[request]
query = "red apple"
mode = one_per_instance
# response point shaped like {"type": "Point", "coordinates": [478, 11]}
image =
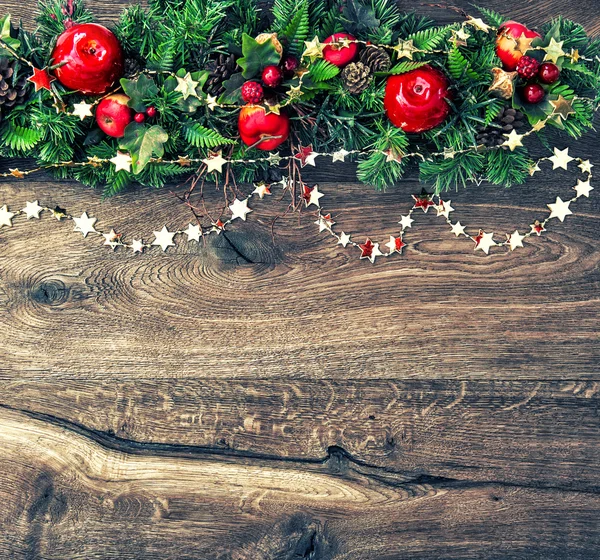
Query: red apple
{"type": "Point", "coordinates": [512, 43]}
{"type": "Point", "coordinates": [417, 101]}
{"type": "Point", "coordinates": [113, 115]}
{"type": "Point", "coordinates": [255, 125]}
{"type": "Point", "coordinates": [91, 58]}
{"type": "Point", "coordinates": [337, 53]}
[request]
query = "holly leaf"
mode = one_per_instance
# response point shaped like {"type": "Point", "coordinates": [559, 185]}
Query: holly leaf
{"type": "Point", "coordinates": [137, 90]}
{"type": "Point", "coordinates": [233, 89]}
{"type": "Point", "coordinates": [5, 30]}
{"type": "Point", "coordinates": [359, 18]}
{"type": "Point", "coordinates": [143, 143]}
{"type": "Point", "coordinates": [256, 56]}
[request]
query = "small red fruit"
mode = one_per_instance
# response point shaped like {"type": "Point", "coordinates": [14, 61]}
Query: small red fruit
{"type": "Point", "coordinates": [113, 115]}
{"type": "Point", "coordinates": [139, 117]}
{"type": "Point", "coordinates": [416, 101]}
{"type": "Point", "coordinates": [252, 92]}
{"type": "Point", "coordinates": [533, 93]}
{"type": "Point", "coordinates": [510, 43]}
{"type": "Point", "coordinates": [527, 67]}
{"type": "Point", "coordinates": [272, 76]}
{"type": "Point", "coordinates": [263, 131]}
{"type": "Point", "coordinates": [548, 73]}
{"type": "Point", "coordinates": [289, 65]}
{"type": "Point", "coordinates": [337, 53]}
{"type": "Point", "coordinates": [91, 58]}
{"type": "Point", "coordinates": [151, 112]}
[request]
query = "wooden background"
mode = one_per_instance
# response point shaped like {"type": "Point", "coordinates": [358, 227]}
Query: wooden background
{"type": "Point", "coordinates": [252, 401]}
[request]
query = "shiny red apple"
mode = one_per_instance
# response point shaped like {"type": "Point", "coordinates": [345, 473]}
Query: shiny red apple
{"type": "Point", "coordinates": [417, 101]}
{"type": "Point", "coordinates": [91, 58]}
{"type": "Point", "coordinates": [512, 43]}
{"type": "Point", "coordinates": [113, 115]}
{"type": "Point", "coordinates": [261, 130]}
{"type": "Point", "coordinates": [337, 53]}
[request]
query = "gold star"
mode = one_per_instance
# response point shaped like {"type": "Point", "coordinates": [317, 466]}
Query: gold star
{"type": "Point", "coordinates": [187, 86]}
{"type": "Point", "coordinates": [16, 173]}
{"type": "Point", "coordinates": [538, 126]}
{"type": "Point", "coordinates": [504, 83]}
{"type": "Point", "coordinates": [554, 50]}
{"type": "Point", "coordinates": [534, 169]}
{"type": "Point", "coordinates": [513, 140]}
{"type": "Point", "coordinates": [575, 56]}
{"type": "Point", "coordinates": [461, 36]}
{"type": "Point", "coordinates": [295, 92]}
{"type": "Point", "coordinates": [478, 24]}
{"type": "Point", "coordinates": [112, 239]}
{"type": "Point", "coordinates": [314, 49]}
{"type": "Point", "coordinates": [261, 189]}
{"type": "Point", "coordinates": [59, 213]}
{"type": "Point", "coordinates": [524, 43]}
{"type": "Point", "coordinates": [275, 108]}
{"type": "Point", "coordinates": [562, 107]}
{"type": "Point", "coordinates": [94, 161]}
{"type": "Point", "coordinates": [211, 102]}
{"type": "Point", "coordinates": [405, 49]}
{"type": "Point", "coordinates": [33, 209]}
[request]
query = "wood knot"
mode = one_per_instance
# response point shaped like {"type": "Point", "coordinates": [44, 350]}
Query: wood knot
{"type": "Point", "coordinates": [50, 292]}
{"type": "Point", "coordinates": [337, 461]}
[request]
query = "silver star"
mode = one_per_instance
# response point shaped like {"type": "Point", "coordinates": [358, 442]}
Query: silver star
{"type": "Point", "coordinates": [239, 209]}
{"type": "Point", "coordinates": [554, 50]}
{"type": "Point", "coordinates": [560, 209]}
{"type": "Point", "coordinates": [406, 222]}
{"type": "Point", "coordinates": [344, 239]}
{"type": "Point", "coordinates": [444, 208]}
{"type": "Point", "coordinates": [164, 238]}
{"type": "Point", "coordinates": [478, 24]}
{"type": "Point", "coordinates": [586, 166]}
{"type": "Point", "coordinates": [122, 162]}
{"type": "Point", "coordinates": [85, 224]}
{"type": "Point", "coordinates": [458, 229]}
{"type": "Point", "coordinates": [211, 102]}
{"type": "Point", "coordinates": [6, 217]}
{"type": "Point", "coordinates": [515, 240]}
{"type": "Point", "coordinates": [82, 110]}
{"type": "Point", "coordinates": [485, 242]}
{"type": "Point", "coordinates": [315, 196]}
{"type": "Point", "coordinates": [111, 239]}
{"type": "Point", "coordinates": [214, 162]}
{"type": "Point", "coordinates": [193, 232]}
{"type": "Point", "coordinates": [583, 188]}
{"type": "Point", "coordinates": [561, 159]}
{"type": "Point", "coordinates": [33, 209]}
{"type": "Point", "coordinates": [274, 158]}
{"type": "Point", "coordinates": [137, 245]}
{"type": "Point", "coordinates": [513, 140]}
{"type": "Point", "coordinates": [187, 86]}
{"type": "Point", "coordinates": [340, 155]}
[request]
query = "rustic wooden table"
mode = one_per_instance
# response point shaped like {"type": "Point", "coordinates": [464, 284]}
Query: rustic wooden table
{"type": "Point", "coordinates": [253, 401]}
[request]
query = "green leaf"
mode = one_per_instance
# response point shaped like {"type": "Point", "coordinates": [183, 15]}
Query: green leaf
{"type": "Point", "coordinates": [233, 89]}
{"type": "Point", "coordinates": [5, 34]}
{"type": "Point", "coordinates": [138, 90]}
{"type": "Point", "coordinates": [404, 67]}
{"type": "Point", "coordinates": [297, 31]}
{"type": "Point", "coordinates": [202, 137]}
{"type": "Point", "coordinates": [322, 71]}
{"type": "Point", "coordinates": [358, 18]}
{"type": "Point", "coordinates": [142, 143]}
{"type": "Point", "coordinates": [256, 56]}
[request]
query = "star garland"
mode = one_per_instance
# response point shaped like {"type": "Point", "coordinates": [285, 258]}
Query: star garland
{"type": "Point", "coordinates": [311, 196]}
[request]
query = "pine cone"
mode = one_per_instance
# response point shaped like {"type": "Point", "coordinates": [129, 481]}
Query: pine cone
{"type": "Point", "coordinates": [375, 58]}
{"type": "Point", "coordinates": [11, 92]}
{"type": "Point", "coordinates": [508, 119]}
{"type": "Point", "coordinates": [356, 77]}
{"type": "Point", "coordinates": [133, 66]}
{"type": "Point", "coordinates": [221, 69]}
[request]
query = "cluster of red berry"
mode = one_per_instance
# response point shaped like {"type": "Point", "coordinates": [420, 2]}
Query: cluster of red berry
{"type": "Point", "coordinates": [514, 39]}
{"type": "Point", "coordinates": [272, 77]}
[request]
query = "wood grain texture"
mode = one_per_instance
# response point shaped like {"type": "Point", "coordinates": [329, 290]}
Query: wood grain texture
{"type": "Point", "coordinates": [246, 400]}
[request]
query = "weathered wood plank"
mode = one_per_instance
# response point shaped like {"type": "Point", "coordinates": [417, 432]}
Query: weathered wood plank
{"type": "Point", "coordinates": [524, 433]}
{"type": "Point", "coordinates": [65, 494]}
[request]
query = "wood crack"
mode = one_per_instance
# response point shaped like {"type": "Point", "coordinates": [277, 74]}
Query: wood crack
{"type": "Point", "coordinates": [337, 461]}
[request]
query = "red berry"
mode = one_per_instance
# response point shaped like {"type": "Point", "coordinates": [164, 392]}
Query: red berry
{"type": "Point", "coordinates": [527, 67]}
{"type": "Point", "coordinates": [548, 73]}
{"type": "Point", "coordinates": [289, 65]}
{"type": "Point", "coordinates": [139, 117]}
{"type": "Point", "coordinates": [272, 76]}
{"type": "Point", "coordinates": [534, 93]}
{"type": "Point", "coordinates": [252, 92]}
{"type": "Point", "coordinates": [151, 112]}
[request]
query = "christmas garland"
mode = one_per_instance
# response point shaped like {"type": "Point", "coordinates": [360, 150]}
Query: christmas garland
{"type": "Point", "coordinates": [239, 92]}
